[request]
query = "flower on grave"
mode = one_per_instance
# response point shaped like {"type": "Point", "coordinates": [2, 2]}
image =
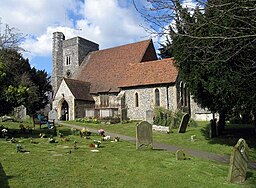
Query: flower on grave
{"type": "Point", "coordinates": [117, 139]}
{"type": "Point", "coordinates": [101, 132]}
{"type": "Point", "coordinates": [97, 143]}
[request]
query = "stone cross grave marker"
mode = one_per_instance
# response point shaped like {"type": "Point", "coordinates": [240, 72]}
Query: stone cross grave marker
{"type": "Point", "coordinates": [239, 162]}
{"type": "Point", "coordinates": [184, 123]}
{"type": "Point", "coordinates": [144, 139]}
{"type": "Point", "coordinates": [53, 115]}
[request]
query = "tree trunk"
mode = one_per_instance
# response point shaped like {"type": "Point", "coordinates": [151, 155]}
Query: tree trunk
{"type": "Point", "coordinates": [221, 123]}
{"type": "Point", "coordinates": [254, 121]}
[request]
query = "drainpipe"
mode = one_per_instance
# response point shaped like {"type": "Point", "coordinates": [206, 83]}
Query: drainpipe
{"type": "Point", "coordinates": [167, 95]}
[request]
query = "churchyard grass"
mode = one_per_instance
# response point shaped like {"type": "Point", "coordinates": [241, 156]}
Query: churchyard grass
{"type": "Point", "coordinates": [117, 164]}
{"type": "Point", "coordinates": [222, 145]}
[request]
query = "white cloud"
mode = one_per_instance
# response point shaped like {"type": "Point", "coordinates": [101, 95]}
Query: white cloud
{"type": "Point", "coordinates": [108, 23]}
{"type": "Point", "coordinates": [104, 23]}
{"type": "Point", "coordinates": [32, 17]}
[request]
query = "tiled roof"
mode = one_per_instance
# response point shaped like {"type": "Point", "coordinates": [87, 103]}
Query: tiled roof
{"type": "Point", "coordinates": [104, 69]}
{"type": "Point", "coordinates": [149, 73]}
{"type": "Point", "coordinates": [80, 89]}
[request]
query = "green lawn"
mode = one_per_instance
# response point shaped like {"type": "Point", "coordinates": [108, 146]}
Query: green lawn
{"type": "Point", "coordinates": [220, 145]}
{"type": "Point", "coordinates": [117, 164]}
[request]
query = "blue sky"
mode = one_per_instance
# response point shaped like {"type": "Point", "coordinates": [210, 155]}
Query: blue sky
{"type": "Point", "coordinates": [107, 22]}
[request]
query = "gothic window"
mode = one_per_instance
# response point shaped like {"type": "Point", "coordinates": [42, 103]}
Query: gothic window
{"type": "Point", "coordinates": [68, 61]}
{"type": "Point", "coordinates": [136, 100]}
{"type": "Point", "coordinates": [157, 97]}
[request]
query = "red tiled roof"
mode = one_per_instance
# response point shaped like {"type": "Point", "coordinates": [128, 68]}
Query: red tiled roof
{"type": "Point", "coordinates": [80, 90]}
{"type": "Point", "coordinates": [151, 72]}
{"type": "Point", "coordinates": [104, 69]}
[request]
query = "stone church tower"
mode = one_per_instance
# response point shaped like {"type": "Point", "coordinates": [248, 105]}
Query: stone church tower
{"type": "Point", "coordinates": [67, 56]}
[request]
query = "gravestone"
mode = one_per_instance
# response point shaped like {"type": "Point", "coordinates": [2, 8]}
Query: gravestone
{"type": "Point", "coordinates": [184, 123]}
{"type": "Point", "coordinates": [149, 116]}
{"type": "Point", "coordinates": [144, 139]}
{"type": "Point", "coordinates": [53, 115]}
{"type": "Point", "coordinates": [180, 155]}
{"type": "Point", "coordinates": [213, 128]}
{"type": "Point", "coordinates": [238, 162]}
{"type": "Point", "coordinates": [20, 112]}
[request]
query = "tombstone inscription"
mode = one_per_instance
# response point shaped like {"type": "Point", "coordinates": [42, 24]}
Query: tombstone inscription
{"type": "Point", "coordinates": [184, 123]}
{"type": "Point", "coordinates": [144, 139]}
{"type": "Point", "coordinates": [239, 162]}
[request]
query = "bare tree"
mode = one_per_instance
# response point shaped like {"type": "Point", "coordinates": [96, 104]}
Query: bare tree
{"type": "Point", "coordinates": [10, 38]}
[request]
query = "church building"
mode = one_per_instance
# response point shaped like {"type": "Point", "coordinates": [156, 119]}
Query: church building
{"type": "Point", "coordinates": [88, 82]}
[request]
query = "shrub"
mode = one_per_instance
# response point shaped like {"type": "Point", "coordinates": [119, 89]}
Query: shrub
{"type": "Point", "coordinates": [165, 117]}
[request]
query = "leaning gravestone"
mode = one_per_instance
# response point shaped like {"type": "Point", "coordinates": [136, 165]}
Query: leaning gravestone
{"type": "Point", "coordinates": [53, 115]}
{"type": "Point", "coordinates": [238, 162]}
{"type": "Point", "coordinates": [184, 123]}
{"type": "Point", "coordinates": [144, 139]}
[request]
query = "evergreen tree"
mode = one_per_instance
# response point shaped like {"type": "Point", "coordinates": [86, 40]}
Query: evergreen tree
{"type": "Point", "coordinates": [214, 46]}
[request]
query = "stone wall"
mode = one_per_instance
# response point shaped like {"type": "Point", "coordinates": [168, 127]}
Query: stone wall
{"type": "Point", "coordinates": [198, 113]}
{"type": "Point", "coordinates": [147, 100]}
{"type": "Point", "coordinates": [75, 48]}
{"type": "Point", "coordinates": [57, 60]}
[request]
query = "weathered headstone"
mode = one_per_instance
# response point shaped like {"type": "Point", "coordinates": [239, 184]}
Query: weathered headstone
{"type": "Point", "coordinates": [180, 155]}
{"type": "Point", "coordinates": [238, 162]}
{"type": "Point", "coordinates": [149, 116]}
{"type": "Point", "coordinates": [53, 116]}
{"type": "Point", "coordinates": [213, 128]}
{"type": "Point", "coordinates": [20, 112]}
{"type": "Point", "coordinates": [144, 139]}
{"type": "Point", "coordinates": [184, 123]}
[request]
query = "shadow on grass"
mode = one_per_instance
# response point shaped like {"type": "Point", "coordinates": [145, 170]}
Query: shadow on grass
{"type": "Point", "coordinates": [3, 178]}
{"type": "Point", "coordinates": [17, 133]}
{"type": "Point", "coordinates": [232, 134]}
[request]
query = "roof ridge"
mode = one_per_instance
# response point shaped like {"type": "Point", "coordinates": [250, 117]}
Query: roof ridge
{"type": "Point", "coordinates": [149, 41]}
{"type": "Point", "coordinates": [128, 44]}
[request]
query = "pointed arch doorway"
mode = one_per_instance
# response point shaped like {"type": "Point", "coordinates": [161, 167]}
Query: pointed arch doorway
{"type": "Point", "coordinates": [64, 111]}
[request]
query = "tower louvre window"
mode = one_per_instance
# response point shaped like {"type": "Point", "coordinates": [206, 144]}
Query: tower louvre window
{"type": "Point", "coordinates": [68, 60]}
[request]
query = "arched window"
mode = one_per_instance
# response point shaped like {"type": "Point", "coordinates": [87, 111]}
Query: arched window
{"type": "Point", "coordinates": [136, 100]}
{"type": "Point", "coordinates": [157, 97]}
